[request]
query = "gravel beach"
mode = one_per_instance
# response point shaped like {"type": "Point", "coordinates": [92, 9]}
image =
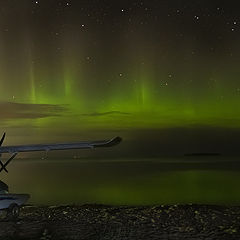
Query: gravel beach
{"type": "Point", "coordinates": [124, 222]}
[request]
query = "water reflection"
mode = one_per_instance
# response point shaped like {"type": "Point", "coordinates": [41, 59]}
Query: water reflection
{"type": "Point", "coordinates": [127, 181]}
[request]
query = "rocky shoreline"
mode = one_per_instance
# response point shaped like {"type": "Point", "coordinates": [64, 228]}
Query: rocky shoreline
{"type": "Point", "coordinates": [172, 222]}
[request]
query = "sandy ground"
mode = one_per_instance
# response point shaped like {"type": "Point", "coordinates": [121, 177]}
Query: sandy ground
{"type": "Point", "coordinates": [119, 222]}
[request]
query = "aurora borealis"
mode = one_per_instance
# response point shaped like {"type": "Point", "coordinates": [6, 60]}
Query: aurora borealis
{"type": "Point", "coordinates": [140, 69]}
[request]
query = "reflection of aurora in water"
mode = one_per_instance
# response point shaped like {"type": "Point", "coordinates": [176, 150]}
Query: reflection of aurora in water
{"type": "Point", "coordinates": [126, 181]}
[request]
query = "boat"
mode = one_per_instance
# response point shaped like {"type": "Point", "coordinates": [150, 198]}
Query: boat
{"type": "Point", "coordinates": [11, 202]}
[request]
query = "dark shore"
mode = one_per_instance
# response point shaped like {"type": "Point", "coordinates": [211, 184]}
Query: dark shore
{"type": "Point", "coordinates": [119, 222]}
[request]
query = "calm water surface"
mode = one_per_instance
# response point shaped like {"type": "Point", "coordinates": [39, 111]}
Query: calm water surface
{"type": "Point", "coordinates": [166, 180]}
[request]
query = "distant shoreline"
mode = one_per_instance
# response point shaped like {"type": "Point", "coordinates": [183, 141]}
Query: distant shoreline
{"type": "Point", "coordinates": [202, 154]}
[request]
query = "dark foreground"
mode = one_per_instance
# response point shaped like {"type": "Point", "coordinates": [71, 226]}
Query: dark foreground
{"type": "Point", "coordinates": [108, 222]}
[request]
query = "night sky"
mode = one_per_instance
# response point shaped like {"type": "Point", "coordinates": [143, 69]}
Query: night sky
{"type": "Point", "coordinates": [162, 74]}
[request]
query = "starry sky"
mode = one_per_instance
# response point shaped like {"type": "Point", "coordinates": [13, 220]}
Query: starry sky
{"type": "Point", "coordinates": [162, 74]}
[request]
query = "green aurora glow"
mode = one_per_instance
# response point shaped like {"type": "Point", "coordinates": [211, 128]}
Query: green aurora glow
{"type": "Point", "coordinates": [140, 104]}
{"type": "Point", "coordinates": [134, 76]}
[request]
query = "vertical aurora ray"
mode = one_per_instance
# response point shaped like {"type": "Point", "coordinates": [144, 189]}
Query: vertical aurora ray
{"type": "Point", "coordinates": [68, 86]}
{"type": "Point", "coordinates": [33, 98]}
{"type": "Point", "coordinates": [72, 75]}
{"type": "Point", "coordinates": [68, 80]}
{"type": "Point", "coordinates": [68, 73]}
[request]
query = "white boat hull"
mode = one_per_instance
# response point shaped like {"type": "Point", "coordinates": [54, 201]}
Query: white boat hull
{"type": "Point", "coordinates": [7, 199]}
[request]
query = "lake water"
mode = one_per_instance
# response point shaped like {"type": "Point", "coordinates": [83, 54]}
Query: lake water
{"type": "Point", "coordinates": [166, 180]}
